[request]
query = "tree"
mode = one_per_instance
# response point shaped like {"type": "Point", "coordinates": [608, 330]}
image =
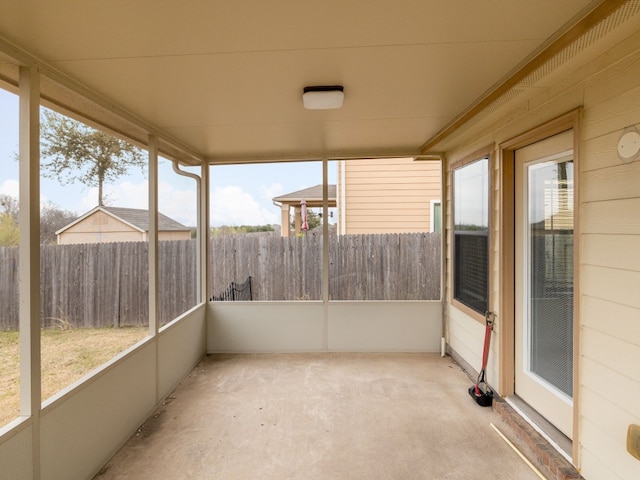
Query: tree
{"type": "Point", "coordinates": [313, 220]}
{"type": "Point", "coordinates": [235, 230]}
{"type": "Point", "coordinates": [77, 152]}
{"type": "Point", "coordinates": [9, 205]}
{"type": "Point", "coordinates": [53, 219]}
{"type": "Point", "coordinates": [9, 234]}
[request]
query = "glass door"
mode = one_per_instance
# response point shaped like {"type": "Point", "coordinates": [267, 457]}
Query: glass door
{"type": "Point", "coordinates": [544, 278]}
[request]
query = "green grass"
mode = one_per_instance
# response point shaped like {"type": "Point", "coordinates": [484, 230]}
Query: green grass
{"type": "Point", "coordinates": [67, 355]}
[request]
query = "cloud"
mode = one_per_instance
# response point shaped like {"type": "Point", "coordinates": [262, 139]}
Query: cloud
{"type": "Point", "coordinates": [126, 194]}
{"type": "Point", "coordinates": [269, 192]}
{"type": "Point", "coordinates": [181, 205]}
{"type": "Point", "coordinates": [10, 187]}
{"type": "Point", "coordinates": [232, 206]}
{"type": "Point", "coordinates": [178, 204]}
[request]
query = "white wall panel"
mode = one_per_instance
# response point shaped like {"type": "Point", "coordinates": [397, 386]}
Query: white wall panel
{"type": "Point", "coordinates": [301, 326]}
{"type": "Point", "coordinates": [81, 430]}
{"type": "Point", "coordinates": [385, 326]}
{"type": "Point", "coordinates": [265, 327]}
{"type": "Point", "coordinates": [181, 345]}
{"type": "Point", "coordinates": [15, 454]}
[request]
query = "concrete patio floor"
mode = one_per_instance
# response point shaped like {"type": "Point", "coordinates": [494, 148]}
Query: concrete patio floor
{"type": "Point", "coordinates": [320, 416]}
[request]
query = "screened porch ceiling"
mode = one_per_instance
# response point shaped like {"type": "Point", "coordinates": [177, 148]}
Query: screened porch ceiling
{"type": "Point", "coordinates": [221, 81]}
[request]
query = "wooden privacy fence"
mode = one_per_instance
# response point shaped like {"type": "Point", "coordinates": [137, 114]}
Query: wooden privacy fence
{"type": "Point", "coordinates": [102, 285]}
{"type": "Point", "coordinates": [361, 267]}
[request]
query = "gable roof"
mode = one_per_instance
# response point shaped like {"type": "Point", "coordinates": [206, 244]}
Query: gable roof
{"type": "Point", "coordinates": [140, 219]}
{"type": "Point", "coordinates": [134, 217]}
{"type": "Point", "coordinates": [310, 195]}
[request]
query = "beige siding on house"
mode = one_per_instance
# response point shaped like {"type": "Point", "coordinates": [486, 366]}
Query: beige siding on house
{"type": "Point", "coordinates": [177, 235]}
{"type": "Point", "coordinates": [387, 195]}
{"type": "Point", "coordinates": [464, 334]}
{"type": "Point", "coordinates": [610, 272]}
{"type": "Point", "coordinates": [100, 227]}
{"type": "Point", "coordinates": [100, 237]}
{"type": "Point", "coordinates": [608, 89]}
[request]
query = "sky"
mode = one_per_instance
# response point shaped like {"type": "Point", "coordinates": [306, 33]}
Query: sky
{"type": "Point", "coordinates": [240, 194]}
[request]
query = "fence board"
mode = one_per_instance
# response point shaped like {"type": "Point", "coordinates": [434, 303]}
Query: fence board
{"type": "Point", "coordinates": [104, 285]}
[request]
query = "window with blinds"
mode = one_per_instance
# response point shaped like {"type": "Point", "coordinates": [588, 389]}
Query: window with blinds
{"type": "Point", "coordinates": [471, 234]}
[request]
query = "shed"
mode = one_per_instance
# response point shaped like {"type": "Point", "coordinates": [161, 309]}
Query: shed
{"type": "Point", "coordinates": [115, 224]}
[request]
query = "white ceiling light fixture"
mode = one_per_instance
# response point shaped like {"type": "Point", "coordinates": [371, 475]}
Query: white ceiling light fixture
{"type": "Point", "coordinates": [323, 97]}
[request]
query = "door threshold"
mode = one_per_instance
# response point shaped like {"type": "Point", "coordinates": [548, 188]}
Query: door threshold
{"type": "Point", "coordinates": [548, 431]}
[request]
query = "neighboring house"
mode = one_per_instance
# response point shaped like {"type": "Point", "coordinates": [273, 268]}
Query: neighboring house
{"type": "Point", "coordinates": [383, 195]}
{"type": "Point", "coordinates": [388, 195]}
{"type": "Point", "coordinates": [312, 196]}
{"type": "Point", "coordinates": [112, 224]}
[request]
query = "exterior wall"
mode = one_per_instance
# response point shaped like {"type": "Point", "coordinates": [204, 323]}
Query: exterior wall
{"type": "Point", "coordinates": [174, 235]}
{"type": "Point", "coordinates": [100, 228]}
{"type": "Point", "coordinates": [607, 87]}
{"type": "Point", "coordinates": [386, 195]}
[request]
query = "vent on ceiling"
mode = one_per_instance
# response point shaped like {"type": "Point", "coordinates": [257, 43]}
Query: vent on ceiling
{"type": "Point", "coordinates": [588, 38]}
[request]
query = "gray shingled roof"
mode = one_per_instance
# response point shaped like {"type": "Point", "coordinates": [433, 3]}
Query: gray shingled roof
{"type": "Point", "coordinates": [140, 218]}
{"type": "Point", "coordinates": [311, 193]}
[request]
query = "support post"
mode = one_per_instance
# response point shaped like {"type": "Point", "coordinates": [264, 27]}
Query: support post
{"type": "Point", "coordinates": [29, 255]}
{"type": "Point", "coordinates": [284, 210]}
{"type": "Point", "coordinates": [325, 251]}
{"type": "Point", "coordinates": [203, 232]}
{"type": "Point", "coordinates": [297, 219]}
{"type": "Point", "coordinates": [153, 235]}
{"type": "Point", "coordinates": [153, 255]}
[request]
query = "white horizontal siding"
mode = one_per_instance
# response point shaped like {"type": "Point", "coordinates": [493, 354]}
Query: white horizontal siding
{"type": "Point", "coordinates": [611, 183]}
{"type": "Point", "coordinates": [615, 285]}
{"type": "Point", "coordinates": [609, 274]}
{"type": "Point", "coordinates": [612, 216]}
{"type": "Point", "coordinates": [598, 462]}
{"type": "Point", "coordinates": [466, 338]}
{"type": "Point", "coordinates": [607, 317]}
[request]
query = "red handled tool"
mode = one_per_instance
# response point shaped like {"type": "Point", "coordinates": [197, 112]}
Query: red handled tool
{"type": "Point", "coordinates": [480, 391]}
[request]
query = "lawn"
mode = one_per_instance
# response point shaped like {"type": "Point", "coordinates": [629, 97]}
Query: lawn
{"type": "Point", "coordinates": [67, 355]}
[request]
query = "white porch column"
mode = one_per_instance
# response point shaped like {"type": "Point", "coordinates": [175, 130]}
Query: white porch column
{"type": "Point", "coordinates": [29, 255]}
{"type": "Point", "coordinates": [325, 252]}
{"type": "Point", "coordinates": [154, 323]}
{"type": "Point", "coordinates": [204, 232]}
{"type": "Point", "coordinates": [297, 220]}
{"type": "Point", "coordinates": [153, 235]}
{"type": "Point", "coordinates": [284, 209]}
